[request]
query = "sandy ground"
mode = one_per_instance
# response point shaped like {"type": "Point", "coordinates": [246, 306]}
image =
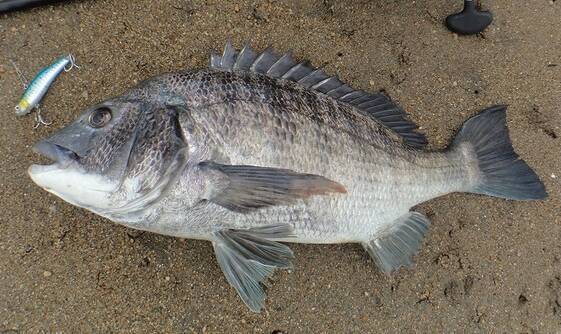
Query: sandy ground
{"type": "Point", "coordinates": [487, 265]}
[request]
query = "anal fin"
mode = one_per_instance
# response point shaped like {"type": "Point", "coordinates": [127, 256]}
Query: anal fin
{"type": "Point", "coordinates": [396, 246]}
{"type": "Point", "coordinates": [248, 257]}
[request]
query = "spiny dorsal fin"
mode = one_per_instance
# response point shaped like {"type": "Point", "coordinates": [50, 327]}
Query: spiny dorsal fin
{"type": "Point", "coordinates": [375, 105]}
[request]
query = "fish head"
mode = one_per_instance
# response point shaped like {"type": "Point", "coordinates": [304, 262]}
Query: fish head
{"type": "Point", "coordinates": [114, 153]}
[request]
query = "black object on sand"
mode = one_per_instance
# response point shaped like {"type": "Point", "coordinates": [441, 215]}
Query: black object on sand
{"type": "Point", "coordinates": [10, 5]}
{"type": "Point", "coordinates": [470, 20]}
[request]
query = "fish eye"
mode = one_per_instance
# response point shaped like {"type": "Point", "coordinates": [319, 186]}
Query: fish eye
{"type": "Point", "coordinates": [100, 117]}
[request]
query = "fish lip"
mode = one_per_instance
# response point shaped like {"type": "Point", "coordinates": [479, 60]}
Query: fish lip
{"type": "Point", "coordinates": [60, 155]}
{"type": "Point", "coordinates": [35, 170]}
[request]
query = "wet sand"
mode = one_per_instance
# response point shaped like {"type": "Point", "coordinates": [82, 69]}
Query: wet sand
{"type": "Point", "coordinates": [487, 265]}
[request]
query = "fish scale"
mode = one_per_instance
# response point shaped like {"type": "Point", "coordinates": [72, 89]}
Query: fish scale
{"type": "Point", "coordinates": [260, 149]}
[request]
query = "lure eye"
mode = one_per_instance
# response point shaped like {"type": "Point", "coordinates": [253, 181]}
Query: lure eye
{"type": "Point", "coordinates": [100, 117]}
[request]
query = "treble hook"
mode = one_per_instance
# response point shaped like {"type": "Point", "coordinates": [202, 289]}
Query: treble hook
{"type": "Point", "coordinates": [39, 120]}
{"type": "Point", "coordinates": [72, 63]}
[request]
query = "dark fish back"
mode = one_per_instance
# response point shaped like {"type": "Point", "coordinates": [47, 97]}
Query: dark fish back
{"type": "Point", "coordinates": [288, 87]}
{"type": "Point", "coordinates": [283, 67]}
{"type": "Point", "coordinates": [209, 87]}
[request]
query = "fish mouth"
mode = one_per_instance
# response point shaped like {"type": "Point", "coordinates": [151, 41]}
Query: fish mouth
{"type": "Point", "coordinates": [61, 156]}
{"type": "Point", "coordinates": [66, 178]}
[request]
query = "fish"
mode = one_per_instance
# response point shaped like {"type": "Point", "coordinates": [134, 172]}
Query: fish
{"type": "Point", "coordinates": [38, 87]}
{"type": "Point", "coordinates": [258, 151]}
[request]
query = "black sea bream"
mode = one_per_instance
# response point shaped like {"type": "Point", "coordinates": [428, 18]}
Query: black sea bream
{"type": "Point", "coordinates": [259, 149]}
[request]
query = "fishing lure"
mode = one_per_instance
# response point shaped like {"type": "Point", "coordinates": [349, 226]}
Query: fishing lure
{"type": "Point", "coordinates": [38, 87]}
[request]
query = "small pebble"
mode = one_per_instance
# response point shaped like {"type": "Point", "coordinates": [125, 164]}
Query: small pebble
{"type": "Point", "coordinates": [53, 208]}
{"type": "Point", "coordinates": [553, 176]}
{"type": "Point", "coordinates": [371, 82]}
{"type": "Point", "coordinates": [366, 294]}
{"type": "Point", "coordinates": [236, 8]}
{"type": "Point", "coordinates": [454, 83]}
{"type": "Point", "coordinates": [47, 273]}
{"type": "Point", "coordinates": [168, 278]}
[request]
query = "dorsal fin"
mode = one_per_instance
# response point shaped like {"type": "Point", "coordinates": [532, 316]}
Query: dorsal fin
{"type": "Point", "coordinates": [376, 105]}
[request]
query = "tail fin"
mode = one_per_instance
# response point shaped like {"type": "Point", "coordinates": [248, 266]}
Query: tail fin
{"type": "Point", "coordinates": [503, 173]}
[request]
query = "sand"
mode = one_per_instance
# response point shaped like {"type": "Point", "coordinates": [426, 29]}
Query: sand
{"type": "Point", "coordinates": [487, 265]}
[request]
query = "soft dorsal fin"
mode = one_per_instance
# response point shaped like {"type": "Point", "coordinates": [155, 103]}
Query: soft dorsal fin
{"type": "Point", "coordinates": [376, 105]}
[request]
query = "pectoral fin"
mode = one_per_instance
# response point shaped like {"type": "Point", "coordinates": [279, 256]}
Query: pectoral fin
{"type": "Point", "coordinates": [245, 188]}
{"type": "Point", "coordinates": [247, 257]}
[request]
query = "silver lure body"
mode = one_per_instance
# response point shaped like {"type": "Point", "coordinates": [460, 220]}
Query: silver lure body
{"type": "Point", "coordinates": [40, 84]}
